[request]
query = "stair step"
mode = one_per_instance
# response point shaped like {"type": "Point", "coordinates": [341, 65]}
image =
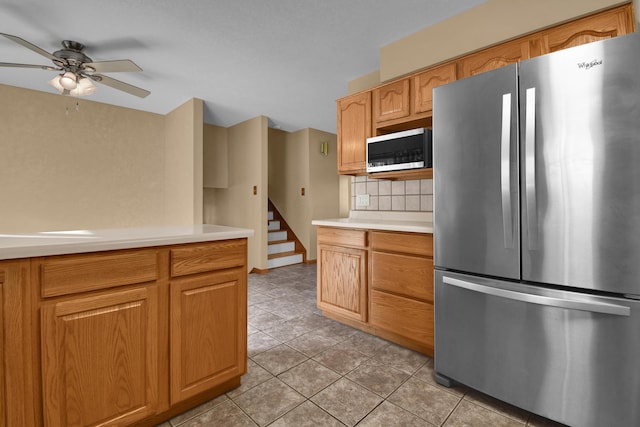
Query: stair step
{"type": "Point", "coordinates": [269, 215]}
{"type": "Point", "coordinates": [280, 246]}
{"type": "Point", "coordinates": [276, 235]}
{"type": "Point", "coordinates": [273, 225]}
{"type": "Point", "coordinates": [286, 258]}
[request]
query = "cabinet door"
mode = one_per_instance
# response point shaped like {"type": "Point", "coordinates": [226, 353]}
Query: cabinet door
{"type": "Point", "coordinates": [495, 57]}
{"type": "Point", "coordinates": [391, 101]}
{"type": "Point", "coordinates": [423, 84]}
{"type": "Point", "coordinates": [354, 127]}
{"type": "Point", "coordinates": [342, 281]}
{"type": "Point", "coordinates": [100, 358]}
{"type": "Point", "coordinates": [605, 25]}
{"type": "Point", "coordinates": [208, 330]}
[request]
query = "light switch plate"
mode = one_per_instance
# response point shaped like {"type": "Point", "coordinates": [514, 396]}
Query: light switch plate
{"type": "Point", "coordinates": [362, 200]}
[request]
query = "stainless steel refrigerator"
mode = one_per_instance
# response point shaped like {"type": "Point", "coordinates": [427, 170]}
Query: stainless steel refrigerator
{"type": "Point", "coordinates": [537, 233]}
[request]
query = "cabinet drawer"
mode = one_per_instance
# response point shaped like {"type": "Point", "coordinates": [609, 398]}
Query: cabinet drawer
{"type": "Point", "coordinates": [411, 243]}
{"type": "Point", "coordinates": [198, 258]}
{"type": "Point", "coordinates": [402, 274]}
{"type": "Point", "coordinates": [65, 275]}
{"type": "Point", "coordinates": [403, 316]}
{"type": "Point", "coordinates": [342, 236]}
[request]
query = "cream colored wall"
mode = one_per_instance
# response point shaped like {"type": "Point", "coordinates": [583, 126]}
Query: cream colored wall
{"type": "Point", "coordinates": [215, 157]}
{"type": "Point", "coordinates": [487, 24]}
{"type": "Point", "coordinates": [183, 164]}
{"type": "Point", "coordinates": [99, 167]}
{"type": "Point", "coordinates": [325, 183]}
{"type": "Point", "coordinates": [295, 162]}
{"type": "Point", "coordinates": [236, 205]}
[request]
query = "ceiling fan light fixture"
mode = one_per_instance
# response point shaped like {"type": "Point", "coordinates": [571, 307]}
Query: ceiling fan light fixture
{"type": "Point", "coordinates": [85, 87]}
{"type": "Point", "coordinates": [68, 80]}
{"type": "Point", "coordinates": [55, 82]}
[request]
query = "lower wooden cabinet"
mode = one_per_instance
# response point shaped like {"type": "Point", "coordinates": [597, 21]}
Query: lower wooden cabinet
{"type": "Point", "coordinates": [380, 282]}
{"type": "Point", "coordinates": [204, 315]}
{"type": "Point", "coordinates": [342, 272]}
{"type": "Point", "coordinates": [121, 338]}
{"type": "Point", "coordinates": [100, 358]}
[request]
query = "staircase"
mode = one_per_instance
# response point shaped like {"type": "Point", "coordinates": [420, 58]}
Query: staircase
{"type": "Point", "coordinates": [284, 247]}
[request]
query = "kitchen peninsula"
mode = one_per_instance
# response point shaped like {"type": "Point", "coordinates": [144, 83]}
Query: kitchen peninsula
{"type": "Point", "coordinates": [375, 273]}
{"type": "Point", "coordinates": [120, 326]}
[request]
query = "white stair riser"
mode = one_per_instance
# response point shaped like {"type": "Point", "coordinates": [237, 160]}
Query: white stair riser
{"type": "Point", "coordinates": [287, 260]}
{"type": "Point", "coordinates": [278, 248]}
{"type": "Point", "coordinates": [269, 215]}
{"type": "Point", "coordinates": [276, 235]}
{"type": "Point", "coordinates": [273, 225]}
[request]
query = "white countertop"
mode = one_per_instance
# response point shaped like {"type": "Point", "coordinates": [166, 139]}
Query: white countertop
{"type": "Point", "coordinates": [419, 222]}
{"type": "Point", "coordinates": [13, 246]}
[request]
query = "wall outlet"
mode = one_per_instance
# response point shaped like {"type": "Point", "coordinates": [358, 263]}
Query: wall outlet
{"type": "Point", "coordinates": [362, 200]}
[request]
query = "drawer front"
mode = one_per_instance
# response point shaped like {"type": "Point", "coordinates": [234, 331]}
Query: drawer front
{"type": "Point", "coordinates": [403, 316]}
{"type": "Point", "coordinates": [198, 258]}
{"type": "Point", "coordinates": [342, 236]}
{"type": "Point", "coordinates": [402, 274]}
{"type": "Point", "coordinates": [412, 243]}
{"type": "Point", "coordinates": [65, 275]}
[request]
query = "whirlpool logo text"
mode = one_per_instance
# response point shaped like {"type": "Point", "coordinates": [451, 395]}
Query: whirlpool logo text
{"type": "Point", "coordinates": [589, 65]}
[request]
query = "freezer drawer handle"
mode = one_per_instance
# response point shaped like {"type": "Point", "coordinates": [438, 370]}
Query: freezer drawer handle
{"type": "Point", "coordinates": [530, 175]}
{"type": "Point", "coordinates": [594, 307]}
{"type": "Point", "coordinates": [505, 168]}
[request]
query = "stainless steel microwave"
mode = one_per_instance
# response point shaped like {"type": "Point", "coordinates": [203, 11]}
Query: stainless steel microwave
{"type": "Point", "coordinates": [409, 149]}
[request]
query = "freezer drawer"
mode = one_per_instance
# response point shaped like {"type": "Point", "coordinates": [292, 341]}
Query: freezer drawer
{"type": "Point", "coordinates": [567, 356]}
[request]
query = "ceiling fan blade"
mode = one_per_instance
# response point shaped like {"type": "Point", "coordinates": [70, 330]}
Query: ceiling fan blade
{"type": "Point", "coordinates": [114, 66]}
{"type": "Point", "coordinates": [117, 84]}
{"type": "Point", "coordinates": [28, 45]}
{"type": "Point", "coordinates": [42, 67]}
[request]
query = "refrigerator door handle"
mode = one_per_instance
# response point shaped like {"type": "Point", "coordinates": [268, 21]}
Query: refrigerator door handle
{"type": "Point", "coordinates": [590, 306]}
{"type": "Point", "coordinates": [530, 164]}
{"type": "Point", "coordinates": [505, 171]}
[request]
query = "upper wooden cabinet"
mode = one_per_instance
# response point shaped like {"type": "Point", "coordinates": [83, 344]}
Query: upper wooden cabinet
{"type": "Point", "coordinates": [391, 101]}
{"type": "Point", "coordinates": [424, 82]}
{"type": "Point", "coordinates": [605, 25]}
{"type": "Point", "coordinates": [495, 57]}
{"type": "Point", "coordinates": [354, 127]}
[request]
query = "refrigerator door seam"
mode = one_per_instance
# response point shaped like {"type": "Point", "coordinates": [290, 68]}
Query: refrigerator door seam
{"type": "Point", "coordinates": [590, 306]}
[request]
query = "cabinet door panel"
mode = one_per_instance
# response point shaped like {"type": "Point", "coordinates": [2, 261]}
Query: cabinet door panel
{"type": "Point", "coordinates": [606, 25]}
{"type": "Point", "coordinates": [423, 84]}
{"type": "Point", "coordinates": [354, 127]}
{"type": "Point", "coordinates": [391, 101]}
{"type": "Point", "coordinates": [100, 359]}
{"type": "Point", "coordinates": [342, 281]}
{"type": "Point", "coordinates": [495, 57]}
{"type": "Point", "coordinates": [208, 331]}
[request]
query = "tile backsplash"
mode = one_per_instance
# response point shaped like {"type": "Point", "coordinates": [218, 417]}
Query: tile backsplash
{"type": "Point", "coordinates": [385, 195]}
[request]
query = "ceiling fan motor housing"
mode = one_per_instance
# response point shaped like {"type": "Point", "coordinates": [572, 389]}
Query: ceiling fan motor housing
{"type": "Point", "coordinates": [72, 56]}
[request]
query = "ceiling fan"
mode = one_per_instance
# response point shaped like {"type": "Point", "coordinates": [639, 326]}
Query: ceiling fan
{"type": "Point", "coordinates": [77, 70]}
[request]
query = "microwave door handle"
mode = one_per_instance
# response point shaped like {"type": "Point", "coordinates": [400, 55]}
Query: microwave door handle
{"type": "Point", "coordinates": [566, 303]}
{"type": "Point", "coordinates": [530, 165]}
{"type": "Point", "coordinates": [505, 171]}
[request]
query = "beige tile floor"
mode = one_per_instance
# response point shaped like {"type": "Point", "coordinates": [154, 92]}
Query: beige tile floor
{"type": "Point", "coordinates": [308, 370]}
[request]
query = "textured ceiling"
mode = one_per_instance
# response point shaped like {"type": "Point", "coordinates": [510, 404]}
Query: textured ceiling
{"type": "Point", "coordinates": [285, 59]}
